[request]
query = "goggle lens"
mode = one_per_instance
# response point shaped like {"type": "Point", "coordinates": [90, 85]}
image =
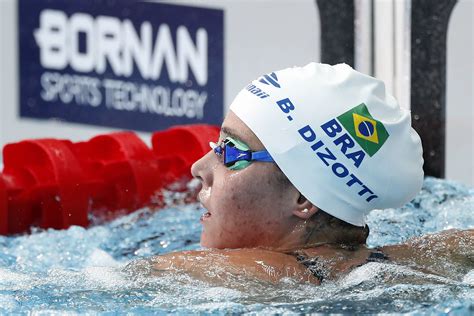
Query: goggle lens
{"type": "Point", "coordinates": [237, 155]}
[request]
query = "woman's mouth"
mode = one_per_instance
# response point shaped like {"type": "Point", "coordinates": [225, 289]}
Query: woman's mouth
{"type": "Point", "coordinates": [205, 216]}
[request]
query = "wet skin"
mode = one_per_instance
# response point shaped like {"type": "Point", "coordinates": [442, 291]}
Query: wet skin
{"type": "Point", "coordinates": [448, 254]}
{"type": "Point", "coordinates": [246, 208]}
{"type": "Point", "coordinates": [254, 222]}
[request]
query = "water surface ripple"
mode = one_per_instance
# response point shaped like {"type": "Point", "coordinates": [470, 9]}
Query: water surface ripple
{"type": "Point", "coordinates": [81, 270]}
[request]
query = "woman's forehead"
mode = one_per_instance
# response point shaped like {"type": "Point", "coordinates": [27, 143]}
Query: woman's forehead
{"type": "Point", "coordinates": [233, 126]}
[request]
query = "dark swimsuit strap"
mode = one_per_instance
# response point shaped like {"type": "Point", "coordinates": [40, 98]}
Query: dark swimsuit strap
{"type": "Point", "coordinates": [377, 256]}
{"type": "Point", "coordinates": [317, 270]}
{"type": "Point", "coordinates": [311, 264]}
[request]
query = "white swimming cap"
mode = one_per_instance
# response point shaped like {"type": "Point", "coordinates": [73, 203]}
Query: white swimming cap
{"type": "Point", "coordinates": [342, 141]}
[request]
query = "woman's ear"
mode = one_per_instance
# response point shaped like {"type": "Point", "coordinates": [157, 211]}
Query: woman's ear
{"type": "Point", "coordinates": [304, 209]}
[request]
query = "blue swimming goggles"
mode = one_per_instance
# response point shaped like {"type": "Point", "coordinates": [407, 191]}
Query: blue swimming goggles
{"type": "Point", "coordinates": [238, 155]}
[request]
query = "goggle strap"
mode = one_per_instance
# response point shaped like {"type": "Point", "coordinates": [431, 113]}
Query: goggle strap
{"type": "Point", "coordinates": [262, 156]}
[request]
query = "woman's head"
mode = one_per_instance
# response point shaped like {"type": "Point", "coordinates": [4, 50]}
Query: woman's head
{"type": "Point", "coordinates": [343, 146]}
{"type": "Point", "coordinates": [254, 206]}
{"type": "Point", "coordinates": [258, 205]}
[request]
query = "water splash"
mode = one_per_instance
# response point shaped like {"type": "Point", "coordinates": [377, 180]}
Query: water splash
{"type": "Point", "coordinates": [82, 270]}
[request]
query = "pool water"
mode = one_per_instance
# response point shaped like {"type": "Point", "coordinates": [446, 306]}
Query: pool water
{"type": "Point", "coordinates": [81, 270]}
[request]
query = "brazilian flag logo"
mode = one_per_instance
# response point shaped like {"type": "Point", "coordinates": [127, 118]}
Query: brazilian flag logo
{"type": "Point", "coordinates": [369, 133]}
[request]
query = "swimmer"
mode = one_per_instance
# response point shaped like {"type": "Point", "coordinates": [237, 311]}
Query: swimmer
{"type": "Point", "coordinates": [304, 154]}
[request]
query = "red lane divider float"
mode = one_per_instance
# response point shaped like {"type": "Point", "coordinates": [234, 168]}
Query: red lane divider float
{"type": "Point", "coordinates": [54, 183]}
{"type": "Point", "coordinates": [123, 170]}
{"type": "Point", "coordinates": [3, 208]}
{"type": "Point", "coordinates": [179, 147]}
{"type": "Point", "coordinates": [45, 185]}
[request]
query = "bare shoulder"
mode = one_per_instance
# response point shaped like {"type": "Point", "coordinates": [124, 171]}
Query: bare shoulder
{"type": "Point", "coordinates": [449, 252]}
{"type": "Point", "coordinates": [255, 263]}
{"type": "Point", "coordinates": [452, 240]}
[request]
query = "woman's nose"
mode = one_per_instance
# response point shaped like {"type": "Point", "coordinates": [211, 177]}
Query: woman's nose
{"type": "Point", "coordinates": [202, 169]}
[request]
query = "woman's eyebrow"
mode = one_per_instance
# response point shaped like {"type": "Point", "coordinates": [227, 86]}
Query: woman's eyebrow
{"type": "Point", "coordinates": [229, 132]}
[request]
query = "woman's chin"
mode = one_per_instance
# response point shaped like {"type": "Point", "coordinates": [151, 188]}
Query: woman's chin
{"type": "Point", "coordinates": [205, 242]}
{"type": "Point", "coordinates": [208, 242]}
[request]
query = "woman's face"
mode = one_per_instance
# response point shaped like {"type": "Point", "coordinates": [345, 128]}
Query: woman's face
{"type": "Point", "coordinates": [248, 207]}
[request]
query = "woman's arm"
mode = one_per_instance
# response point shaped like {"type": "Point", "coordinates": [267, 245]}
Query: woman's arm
{"type": "Point", "coordinates": [448, 253]}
